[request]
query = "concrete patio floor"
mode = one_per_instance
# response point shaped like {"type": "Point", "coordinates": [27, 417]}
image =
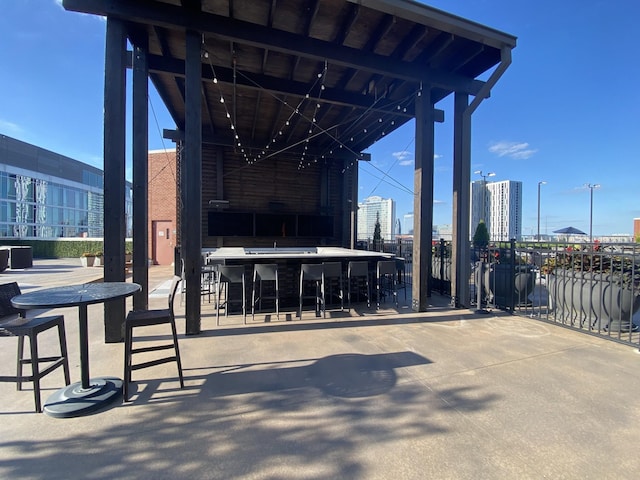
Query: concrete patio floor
{"type": "Point", "coordinates": [446, 394]}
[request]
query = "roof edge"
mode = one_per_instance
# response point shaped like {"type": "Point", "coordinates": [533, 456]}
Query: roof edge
{"type": "Point", "coordinates": [447, 22]}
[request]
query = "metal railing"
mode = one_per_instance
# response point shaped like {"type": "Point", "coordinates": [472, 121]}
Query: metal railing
{"type": "Point", "coordinates": [590, 287]}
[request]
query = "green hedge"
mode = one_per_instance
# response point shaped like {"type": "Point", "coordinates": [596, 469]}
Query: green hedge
{"type": "Point", "coordinates": [61, 248]}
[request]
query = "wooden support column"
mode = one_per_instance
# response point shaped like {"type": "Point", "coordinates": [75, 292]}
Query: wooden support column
{"type": "Point", "coordinates": [460, 248]}
{"type": "Point", "coordinates": [192, 171]}
{"type": "Point", "coordinates": [423, 201]}
{"type": "Point", "coordinates": [114, 172]}
{"type": "Point", "coordinates": [140, 172]}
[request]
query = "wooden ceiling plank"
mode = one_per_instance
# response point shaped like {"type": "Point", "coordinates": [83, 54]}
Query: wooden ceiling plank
{"type": "Point", "coordinates": [351, 18]}
{"type": "Point", "coordinates": [335, 96]}
{"type": "Point", "coordinates": [175, 17]}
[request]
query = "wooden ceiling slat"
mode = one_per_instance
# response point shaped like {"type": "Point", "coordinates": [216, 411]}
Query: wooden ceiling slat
{"type": "Point", "coordinates": [265, 50]}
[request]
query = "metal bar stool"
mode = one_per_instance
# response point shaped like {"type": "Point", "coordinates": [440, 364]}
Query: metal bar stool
{"type": "Point", "coordinates": [387, 280]}
{"type": "Point", "coordinates": [313, 273]}
{"type": "Point", "coordinates": [333, 270]}
{"type": "Point", "coordinates": [356, 270]}
{"type": "Point", "coordinates": [228, 275]}
{"type": "Point", "coordinates": [402, 274]}
{"type": "Point", "coordinates": [264, 272]}
{"type": "Point", "coordinates": [14, 324]}
{"type": "Point", "coordinates": [146, 318]}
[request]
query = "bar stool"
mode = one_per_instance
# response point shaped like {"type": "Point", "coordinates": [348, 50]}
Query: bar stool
{"type": "Point", "coordinates": [147, 318]}
{"type": "Point", "coordinates": [402, 274]}
{"type": "Point", "coordinates": [310, 272]}
{"type": "Point", "coordinates": [356, 270]}
{"type": "Point", "coordinates": [228, 275]}
{"type": "Point", "coordinates": [13, 324]}
{"type": "Point", "coordinates": [387, 282]}
{"type": "Point", "coordinates": [209, 276]}
{"type": "Point", "coordinates": [264, 272]}
{"type": "Point", "coordinates": [333, 270]}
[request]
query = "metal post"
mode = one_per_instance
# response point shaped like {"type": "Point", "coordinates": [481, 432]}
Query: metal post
{"type": "Point", "coordinates": [591, 187]}
{"type": "Point", "coordinates": [539, 184]}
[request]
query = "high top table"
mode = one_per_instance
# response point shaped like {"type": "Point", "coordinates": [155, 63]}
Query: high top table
{"type": "Point", "coordinates": [90, 394]}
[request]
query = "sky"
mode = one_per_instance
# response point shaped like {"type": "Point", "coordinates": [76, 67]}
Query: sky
{"type": "Point", "coordinates": [566, 112]}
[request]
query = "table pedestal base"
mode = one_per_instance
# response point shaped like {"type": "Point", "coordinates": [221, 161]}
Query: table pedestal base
{"type": "Point", "coordinates": [74, 401]}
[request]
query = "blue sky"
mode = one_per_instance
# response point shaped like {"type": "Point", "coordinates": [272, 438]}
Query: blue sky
{"type": "Point", "coordinates": [567, 111]}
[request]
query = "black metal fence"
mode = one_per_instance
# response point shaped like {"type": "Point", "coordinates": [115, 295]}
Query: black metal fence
{"type": "Point", "coordinates": [591, 287]}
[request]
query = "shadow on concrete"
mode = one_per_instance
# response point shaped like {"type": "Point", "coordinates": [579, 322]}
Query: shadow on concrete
{"type": "Point", "coordinates": [267, 423]}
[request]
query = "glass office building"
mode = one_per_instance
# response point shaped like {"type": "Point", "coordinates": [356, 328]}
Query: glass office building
{"type": "Point", "coordinates": [46, 195]}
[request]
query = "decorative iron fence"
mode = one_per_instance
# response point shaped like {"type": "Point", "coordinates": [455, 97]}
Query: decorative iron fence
{"type": "Point", "coordinates": [591, 287]}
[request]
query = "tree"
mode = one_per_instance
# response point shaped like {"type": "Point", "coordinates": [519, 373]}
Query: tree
{"type": "Point", "coordinates": [377, 234]}
{"type": "Point", "coordinates": [481, 236]}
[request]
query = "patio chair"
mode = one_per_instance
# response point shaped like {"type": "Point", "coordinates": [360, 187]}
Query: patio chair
{"type": "Point", "coordinates": [312, 273]}
{"type": "Point", "coordinates": [357, 270]}
{"type": "Point", "coordinates": [264, 272]}
{"type": "Point", "coordinates": [13, 323]}
{"type": "Point", "coordinates": [387, 283]}
{"type": "Point", "coordinates": [227, 276]}
{"type": "Point", "coordinates": [147, 318]}
{"type": "Point", "coordinates": [402, 275]}
{"type": "Point", "coordinates": [333, 271]}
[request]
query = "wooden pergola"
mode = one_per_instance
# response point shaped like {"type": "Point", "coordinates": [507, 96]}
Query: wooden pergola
{"type": "Point", "coordinates": [283, 86]}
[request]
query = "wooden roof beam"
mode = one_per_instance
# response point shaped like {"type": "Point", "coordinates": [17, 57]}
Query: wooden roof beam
{"type": "Point", "coordinates": [336, 96]}
{"type": "Point", "coordinates": [175, 17]}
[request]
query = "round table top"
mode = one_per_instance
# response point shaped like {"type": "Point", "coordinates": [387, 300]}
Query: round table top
{"type": "Point", "coordinates": [74, 295]}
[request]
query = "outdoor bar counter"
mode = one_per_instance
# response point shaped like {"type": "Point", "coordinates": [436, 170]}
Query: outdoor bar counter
{"type": "Point", "coordinates": [289, 260]}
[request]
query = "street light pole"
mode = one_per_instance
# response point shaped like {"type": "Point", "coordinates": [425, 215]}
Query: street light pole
{"type": "Point", "coordinates": [484, 192]}
{"type": "Point", "coordinates": [542, 182]}
{"type": "Point", "coordinates": [591, 187]}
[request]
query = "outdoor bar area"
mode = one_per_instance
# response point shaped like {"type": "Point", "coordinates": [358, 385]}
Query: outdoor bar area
{"type": "Point", "coordinates": [275, 103]}
{"type": "Point", "coordinates": [337, 265]}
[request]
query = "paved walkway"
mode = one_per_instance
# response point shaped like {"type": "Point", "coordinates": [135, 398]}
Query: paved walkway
{"type": "Point", "coordinates": [446, 394]}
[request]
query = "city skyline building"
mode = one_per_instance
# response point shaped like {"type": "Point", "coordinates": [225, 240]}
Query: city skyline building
{"type": "Point", "coordinates": [372, 208]}
{"type": "Point", "coordinates": [499, 204]}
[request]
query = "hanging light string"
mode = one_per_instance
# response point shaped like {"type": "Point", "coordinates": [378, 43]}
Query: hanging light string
{"type": "Point", "coordinates": [236, 137]}
{"type": "Point", "coordinates": [322, 76]}
{"type": "Point", "coordinates": [298, 110]}
{"type": "Point", "coordinates": [402, 106]}
{"type": "Point", "coordinates": [376, 124]}
{"type": "Point", "coordinates": [386, 175]}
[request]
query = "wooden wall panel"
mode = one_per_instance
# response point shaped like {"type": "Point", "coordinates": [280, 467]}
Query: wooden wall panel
{"type": "Point", "coordinates": [273, 186]}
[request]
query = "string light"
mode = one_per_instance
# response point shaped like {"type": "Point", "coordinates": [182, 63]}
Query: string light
{"type": "Point", "coordinates": [298, 111]}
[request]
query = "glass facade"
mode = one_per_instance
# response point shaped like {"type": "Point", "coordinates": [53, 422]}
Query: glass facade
{"type": "Point", "coordinates": [47, 195]}
{"type": "Point", "coordinates": [32, 207]}
{"type": "Point", "coordinates": [36, 208]}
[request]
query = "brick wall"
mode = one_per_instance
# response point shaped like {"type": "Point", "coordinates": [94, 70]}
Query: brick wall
{"type": "Point", "coordinates": [162, 192]}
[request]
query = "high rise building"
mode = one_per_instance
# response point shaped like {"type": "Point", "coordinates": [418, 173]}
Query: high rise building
{"type": "Point", "coordinates": [407, 224]}
{"type": "Point", "coordinates": [499, 204]}
{"type": "Point", "coordinates": [372, 208]}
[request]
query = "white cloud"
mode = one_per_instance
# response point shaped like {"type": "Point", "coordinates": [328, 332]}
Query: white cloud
{"type": "Point", "coordinates": [402, 155]}
{"type": "Point", "coordinates": [515, 150]}
{"type": "Point", "coordinates": [405, 158]}
{"type": "Point", "coordinates": [10, 128]}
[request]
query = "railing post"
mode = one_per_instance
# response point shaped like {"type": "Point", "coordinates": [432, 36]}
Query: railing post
{"type": "Point", "coordinates": [512, 274]}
